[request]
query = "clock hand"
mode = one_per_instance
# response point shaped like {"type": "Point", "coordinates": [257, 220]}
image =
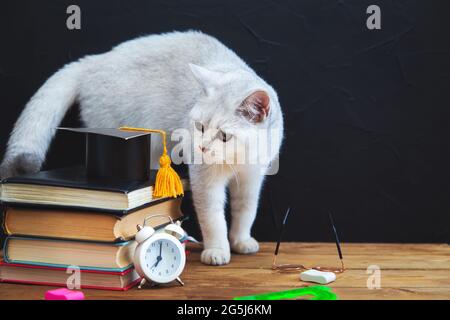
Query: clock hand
{"type": "Point", "coordinates": [158, 258]}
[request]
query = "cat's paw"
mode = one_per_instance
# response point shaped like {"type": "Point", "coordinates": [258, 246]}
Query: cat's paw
{"type": "Point", "coordinates": [215, 256]}
{"type": "Point", "coordinates": [21, 164]}
{"type": "Point", "coordinates": [247, 246]}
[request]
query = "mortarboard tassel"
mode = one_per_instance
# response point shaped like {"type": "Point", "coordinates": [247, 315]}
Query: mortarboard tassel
{"type": "Point", "coordinates": [168, 183]}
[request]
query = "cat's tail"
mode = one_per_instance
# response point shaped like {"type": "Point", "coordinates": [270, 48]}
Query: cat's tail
{"type": "Point", "coordinates": [36, 126]}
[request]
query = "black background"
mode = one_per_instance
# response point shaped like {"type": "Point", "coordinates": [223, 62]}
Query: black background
{"type": "Point", "coordinates": [367, 112]}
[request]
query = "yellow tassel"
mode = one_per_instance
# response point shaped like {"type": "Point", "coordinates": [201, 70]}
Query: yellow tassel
{"type": "Point", "coordinates": [168, 183]}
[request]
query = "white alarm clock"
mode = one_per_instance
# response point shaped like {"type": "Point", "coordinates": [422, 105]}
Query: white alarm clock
{"type": "Point", "coordinates": [159, 257]}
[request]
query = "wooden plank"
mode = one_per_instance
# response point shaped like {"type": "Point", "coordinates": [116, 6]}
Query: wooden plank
{"type": "Point", "coordinates": [320, 248]}
{"type": "Point", "coordinates": [411, 271]}
{"type": "Point", "coordinates": [13, 292]}
{"type": "Point", "coordinates": [350, 279]}
{"type": "Point", "coordinates": [429, 262]}
{"type": "Point", "coordinates": [326, 255]}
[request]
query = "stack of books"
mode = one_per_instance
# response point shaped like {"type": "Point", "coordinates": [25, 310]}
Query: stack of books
{"type": "Point", "coordinates": [60, 220]}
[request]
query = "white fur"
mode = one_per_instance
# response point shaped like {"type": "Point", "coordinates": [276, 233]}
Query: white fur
{"type": "Point", "coordinates": [167, 82]}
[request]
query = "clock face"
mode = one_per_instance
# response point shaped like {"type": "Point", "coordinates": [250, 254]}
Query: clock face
{"type": "Point", "coordinates": [163, 258]}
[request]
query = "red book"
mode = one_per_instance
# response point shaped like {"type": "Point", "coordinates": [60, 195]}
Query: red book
{"type": "Point", "coordinates": [53, 276]}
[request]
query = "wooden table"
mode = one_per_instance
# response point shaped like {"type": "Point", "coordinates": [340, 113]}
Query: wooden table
{"type": "Point", "coordinates": [408, 271]}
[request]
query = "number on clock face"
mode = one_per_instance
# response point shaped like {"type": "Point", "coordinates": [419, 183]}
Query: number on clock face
{"type": "Point", "coordinates": [162, 259]}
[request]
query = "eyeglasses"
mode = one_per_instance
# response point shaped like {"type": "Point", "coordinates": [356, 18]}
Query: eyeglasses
{"type": "Point", "coordinates": [300, 267]}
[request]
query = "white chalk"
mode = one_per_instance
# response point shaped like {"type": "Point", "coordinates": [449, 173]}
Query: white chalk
{"type": "Point", "coordinates": [317, 276]}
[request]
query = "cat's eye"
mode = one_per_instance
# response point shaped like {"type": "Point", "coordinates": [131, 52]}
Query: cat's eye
{"type": "Point", "coordinates": [199, 126]}
{"type": "Point", "coordinates": [224, 136]}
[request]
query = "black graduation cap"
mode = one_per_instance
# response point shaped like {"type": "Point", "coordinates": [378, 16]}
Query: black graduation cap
{"type": "Point", "coordinates": [114, 154]}
{"type": "Point", "coordinates": [123, 154]}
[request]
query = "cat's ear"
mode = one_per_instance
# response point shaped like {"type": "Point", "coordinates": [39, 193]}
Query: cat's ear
{"type": "Point", "coordinates": [207, 78]}
{"type": "Point", "coordinates": [255, 108]}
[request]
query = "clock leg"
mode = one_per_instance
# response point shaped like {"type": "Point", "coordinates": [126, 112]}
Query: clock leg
{"type": "Point", "coordinates": [142, 283]}
{"type": "Point", "coordinates": [179, 281]}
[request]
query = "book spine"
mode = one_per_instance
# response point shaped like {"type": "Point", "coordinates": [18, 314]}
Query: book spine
{"type": "Point", "coordinates": [52, 268]}
{"type": "Point", "coordinates": [5, 250]}
{"type": "Point", "coordinates": [65, 266]}
{"type": "Point", "coordinates": [43, 264]}
{"type": "Point", "coordinates": [3, 210]}
{"type": "Point", "coordinates": [52, 284]}
{"type": "Point", "coordinates": [65, 240]}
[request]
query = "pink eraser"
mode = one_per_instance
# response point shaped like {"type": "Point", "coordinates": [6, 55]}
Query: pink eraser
{"type": "Point", "coordinates": [64, 294]}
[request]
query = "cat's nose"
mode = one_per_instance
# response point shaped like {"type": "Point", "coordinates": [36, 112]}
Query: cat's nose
{"type": "Point", "coordinates": [203, 149]}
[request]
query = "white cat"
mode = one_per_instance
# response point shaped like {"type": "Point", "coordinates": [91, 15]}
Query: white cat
{"type": "Point", "coordinates": [176, 80]}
